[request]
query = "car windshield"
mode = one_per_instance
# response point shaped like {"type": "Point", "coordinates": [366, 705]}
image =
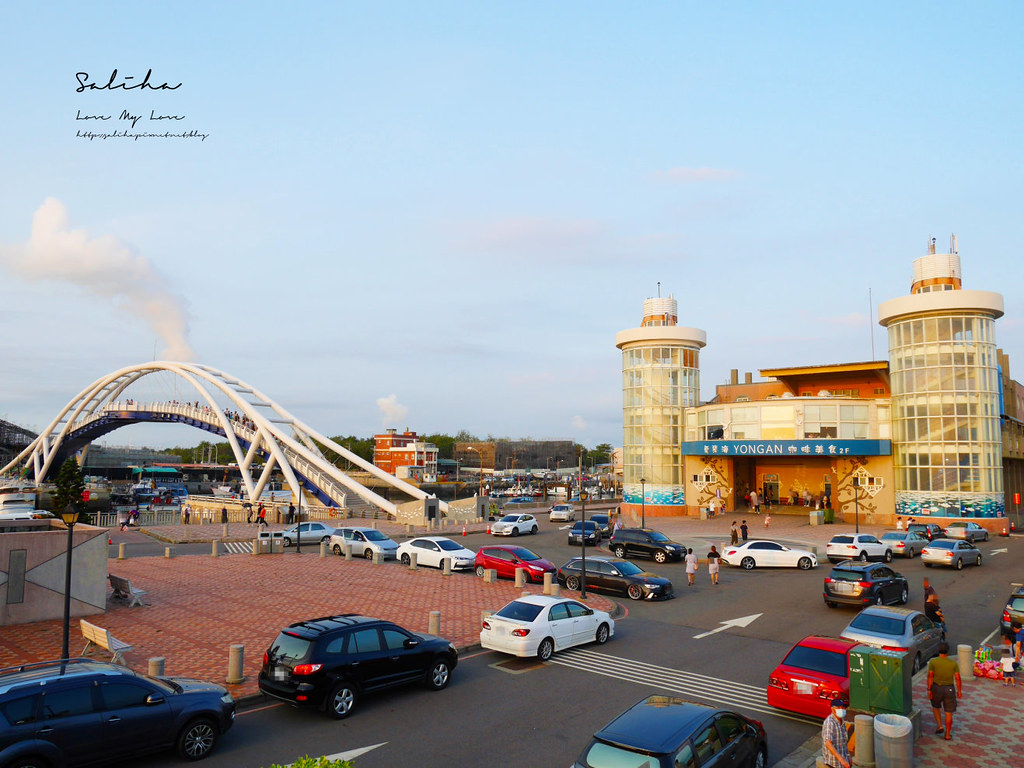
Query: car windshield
{"type": "Point", "coordinates": [372, 535]}
{"type": "Point", "coordinates": [1017, 604]}
{"type": "Point", "coordinates": [917, 527]}
{"type": "Point", "coordinates": [518, 611]}
{"type": "Point", "coordinates": [590, 525]}
{"type": "Point", "coordinates": [882, 625]}
{"type": "Point", "coordinates": [817, 660]}
{"type": "Point", "coordinates": [448, 545]}
{"type": "Point", "coordinates": [628, 569]}
{"type": "Point", "coordinates": [510, 519]}
{"type": "Point", "coordinates": [841, 575]}
{"type": "Point", "coordinates": [524, 554]}
{"type": "Point", "coordinates": [601, 755]}
{"type": "Point", "coordinates": [958, 525]}
{"type": "Point", "coordinates": [893, 536]}
{"type": "Point", "coordinates": [599, 518]}
{"type": "Point", "coordinates": [942, 544]}
{"type": "Point", "coordinates": [841, 540]}
{"type": "Point", "coordinates": [655, 536]}
{"type": "Point", "coordinates": [289, 647]}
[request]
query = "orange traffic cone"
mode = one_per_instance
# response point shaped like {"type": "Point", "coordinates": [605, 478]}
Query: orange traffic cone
{"type": "Point", "coordinates": [463, 530]}
{"type": "Point", "coordinates": [110, 541]}
{"type": "Point", "coordinates": [488, 529]}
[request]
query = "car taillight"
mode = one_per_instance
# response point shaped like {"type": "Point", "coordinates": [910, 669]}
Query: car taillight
{"type": "Point", "coordinates": [828, 579]}
{"type": "Point", "coordinates": [949, 554]}
{"type": "Point", "coordinates": [863, 584]}
{"type": "Point", "coordinates": [894, 648]}
{"type": "Point", "coordinates": [307, 669]}
{"type": "Point", "coordinates": [900, 545]}
{"type": "Point", "coordinates": [520, 632]}
{"type": "Point", "coordinates": [1006, 615]}
{"type": "Point", "coordinates": [486, 625]}
{"type": "Point", "coordinates": [778, 682]}
{"type": "Point", "coordinates": [266, 658]}
{"type": "Point", "coordinates": [851, 546]}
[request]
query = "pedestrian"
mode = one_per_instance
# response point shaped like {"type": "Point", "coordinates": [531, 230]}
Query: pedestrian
{"type": "Point", "coordinates": [835, 749]}
{"type": "Point", "coordinates": [934, 612]}
{"type": "Point", "coordinates": [943, 672]}
{"type": "Point", "coordinates": [1009, 666]}
{"type": "Point", "coordinates": [188, 513]}
{"type": "Point", "coordinates": [899, 523]}
{"type": "Point", "coordinates": [743, 530]}
{"type": "Point", "coordinates": [767, 519]}
{"type": "Point", "coordinates": [618, 525]}
{"type": "Point", "coordinates": [261, 519]}
{"type": "Point", "coordinates": [248, 514]}
{"type": "Point", "coordinates": [1017, 641]}
{"type": "Point", "coordinates": [734, 534]}
{"type": "Point", "coordinates": [713, 561]}
{"type": "Point", "coordinates": [223, 514]}
{"type": "Point", "coordinates": [291, 513]}
{"type": "Point", "coordinates": [691, 567]}
{"type": "Point", "coordinates": [928, 592]}
{"type": "Point", "coordinates": [263, 512]}
{"type": "Point", "coordinates": [755, 502]}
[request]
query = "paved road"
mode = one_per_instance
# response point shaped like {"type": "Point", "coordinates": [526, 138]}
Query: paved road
{"type": "Point", "coordinates": [543, 715]}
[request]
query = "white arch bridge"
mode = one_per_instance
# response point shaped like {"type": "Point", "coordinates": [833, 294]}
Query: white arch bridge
{"type": "Point", "coordinates": [262, 430]}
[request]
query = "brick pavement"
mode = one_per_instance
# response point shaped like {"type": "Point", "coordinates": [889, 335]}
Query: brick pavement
{"type": "Point", "coordinates": [200, 606]}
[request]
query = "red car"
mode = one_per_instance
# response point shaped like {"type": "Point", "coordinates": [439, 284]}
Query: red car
{"type": "Point", "coordinates": [506, 558]}
{"type": "Point", "coordinates": [815, 671]}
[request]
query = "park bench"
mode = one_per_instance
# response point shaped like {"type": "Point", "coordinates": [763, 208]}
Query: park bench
{"type": "Point", "coordinates": [124, 590]}
{"type": "Point", "coordinates": [104, 639]}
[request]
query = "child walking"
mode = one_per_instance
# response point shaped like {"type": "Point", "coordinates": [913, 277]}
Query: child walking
{"type": "Point", "coordinates": [1007, 662]}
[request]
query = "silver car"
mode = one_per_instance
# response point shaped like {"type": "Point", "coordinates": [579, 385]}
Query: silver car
{"type": "Point", "coordinates": [905, 543]}
{"type": "Point", "coordinates": [955, 553]}
{"type": "Point", "coordinates": [364, 541]}
{"type": "Point", "coordinates": [964, 529]}
{"type": "Point", "coordinates": [897, 629]}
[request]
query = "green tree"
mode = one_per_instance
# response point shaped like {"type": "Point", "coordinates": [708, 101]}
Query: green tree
{"type": "Point", "coordinates": [69, 488]}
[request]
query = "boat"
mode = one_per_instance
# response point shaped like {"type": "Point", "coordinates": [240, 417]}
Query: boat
{"type": "Point", "coordinates": [18, 502]}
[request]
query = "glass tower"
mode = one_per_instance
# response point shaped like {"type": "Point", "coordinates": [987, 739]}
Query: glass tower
{"type": "Point", "coordinates": [946, 399]}
{"type": "Point", "coordinates": [660, 378]}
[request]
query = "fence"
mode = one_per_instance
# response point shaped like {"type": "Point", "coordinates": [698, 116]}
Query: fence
{"type": "Point", "coordinates": [209, 510]}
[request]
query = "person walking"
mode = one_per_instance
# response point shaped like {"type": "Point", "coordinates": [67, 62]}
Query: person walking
{"type": "Point", "coordinates": [188, 513]}
{"type": "Point", "coordinates": [261, 519]}
{"type": "Point", "coordinates": [835, 741]}
{"type": "Point", "coordinates": [248, 514]}
{"type": "Point", "coordinates": [943, 672]}
{"type": "Point", "coordinates": [929, 591]}
{"type": "Point", "coordinates": [291, 513]}
{"type": "Point", "coordinates": [767, 519]}
{"type": "Point", "coordinates": [714, 558]}
{"type": "Point", "coordinates": [743, 530]}
{"type": "Point", "coordinates": [734, 534]}
{"type": "Point", "coordinates": [691, 567]}
{"type": "Point", "coordinates": [899, 523]}
{"type": "Point", "coordinates": [755, 502]}
{"type": "Point", "coordinates": [1008, 664]}
{"type": "Point", "coordinates": [934, 612]}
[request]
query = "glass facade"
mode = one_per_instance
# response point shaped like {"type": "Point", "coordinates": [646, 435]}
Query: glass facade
{"type": "Point", "coordinates": [947, 449]}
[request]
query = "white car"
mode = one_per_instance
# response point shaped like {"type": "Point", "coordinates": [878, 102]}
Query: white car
{"type": "Point", "coordinates": [768, 554]}
{"type": "Point", "coordinates": [562, 513]}
{"type": "Point", "coordinates": [514, 524]}
{"type": "Point", "coordinates": [431, 550]}
{"type": "Point", "coordinates": [364, 541]}
{"type": "Point", "coordinates": [309, 533]}
{"type": "Point", "coordinates": [538, 625]}
{"type": "Point", "coordinates": [857, 546]}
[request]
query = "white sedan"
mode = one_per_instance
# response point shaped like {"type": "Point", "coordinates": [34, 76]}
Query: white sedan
{"type": "Point", "coordinates": [562, 513]}
{"type": "Point", "coordinates": [432, 550]}
{"type": "Point", "coordinates": [537, 625]}
{"type": "Point", "coordinates": [514, 524]}
{"type": "Point", "coordinates": [768, 554]}
{"type": "Point", "coordinates": [857, 546]}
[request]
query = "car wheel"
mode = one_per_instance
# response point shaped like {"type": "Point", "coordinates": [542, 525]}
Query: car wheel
{"type": "Point", "coordinates": [368, 554]}
{"type": "Point", "coordinates": [573, 583]}
{"type": "Point", "coordinates": [515, 531]}
{"type": "Point", "coordinates": [804, 564]}
{"type": "Point", "coordinates": [747, 563]}
{"type": "Point", "coordinates": [341, 700]}
{"type": "Point", "coordinates": [480, 571]}
{"type": "Point", "coordinates": [879, 600]}
{"type": "Point", "coordinates": [602, 634]}
{"type": "Point", "coordinates": [545, 649]}
{"type": "Point", "coordinates": [533, 531]}
{"type": "Point", "coordinates": [979, 559]}
{"type": "Point", "coordinates": [324, 538]}
{"type": "Point", "coordinates": [660, 556]}
{"type": "Point", "coordinates": [927, 565]}
{"type": "Point", "coordinates": [960, 564]}
{"type": "Point", "coordinates": [830, 604]}
{"type": "Point", "coordinates": [863, 556]}
{"type": "Point", "coordinates": [337, 549]}
{"type": "Point", "coordinates": [438, 675]}
{"type": "Point", "coordinates": [760, 759]}
{"type": "Point", "coordinates": [888, 556]}
{"type": "Point", "coordinates": [405, 558]}
{"type": "Point", "coordinates": [917, 665]}
{"type": "Point", "coordinates": [904, 596]}
{"type": "Point", "coordinates": [286, 541]}
{"type": "Point", "coordinates": [197, 739]}
{"type": "Point", "coordinates": [619, 550]}
{"type": "Point", "coordinates": [635, 592]}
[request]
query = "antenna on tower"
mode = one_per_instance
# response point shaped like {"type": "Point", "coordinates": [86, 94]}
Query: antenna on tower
{"type": "Point", "coordinates": [871, 327]}
{"type": "Point", "coordinates": [931, 245]}
{"type": "Point", "coordinates": [659, 289]}
{"type": "Point", "coordinates": [952, 244]}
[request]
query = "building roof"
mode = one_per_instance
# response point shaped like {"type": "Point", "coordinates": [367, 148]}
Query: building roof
{"type": "Point", "coordinates": [818, 370]}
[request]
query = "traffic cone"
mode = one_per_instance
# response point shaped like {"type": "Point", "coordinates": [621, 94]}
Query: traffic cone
{"type": "Point", "coordinates": [463, 530]}
{"type": "Point", "coordinates": [1006, 531]}
{"type": "Point", "coordinates": [488, 529]}
{"type": "Point", "coordinates": [110, 541]}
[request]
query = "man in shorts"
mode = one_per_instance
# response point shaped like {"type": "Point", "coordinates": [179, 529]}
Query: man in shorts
{"type": "Point", "coordinates": [944, 688]}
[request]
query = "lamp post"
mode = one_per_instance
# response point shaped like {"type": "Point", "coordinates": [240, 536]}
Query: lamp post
{"type": "Point", "coordinates": [70, 517]}
{"type": "Point", "coordinates": [643, 501]}
{"type": "Point", "coordinates": [856, 506]}
{"type": "Point", "coordinates": [298, 527]}
{"type": "Point", "coordinates": [583, 541]}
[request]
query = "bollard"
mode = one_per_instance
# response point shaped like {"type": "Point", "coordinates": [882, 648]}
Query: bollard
{"type": "Point", "coordinates": [120, 551]}
{"type": "Point", "coordinates": [434, 625]}
{"type": "Point", "coordinates": [168, 551]}
{"type": "Point", "coordinates": [348, 551]}
{"type": "Point", "coordinates": [864, 733]}
{"type": "Point", "coordinates": [255, 546]}
{"type": "Point", "coordinates": [224, 530]}
{"type": "Point", "coordinates": [490, 575]}
{"type": "Point", "coordinates": [484, 614]}
{"type": "Point", "coordinates": [520, 578]}
{"type": "Point", "coordinates": [408, 529]}
{"type": "Point", "coordinates": [216, 549]}
{"type": "Point", "coordinates": [323, 549]}
{"type": "Point", "coordinates": [373, 524]}
{"type": "Point", "coordinates": [965, 658]}
{"type": "Point", "coordinates": [156, 666]}
{"type": "Point", "coordinates": [378, 558]}
{"type": "Point", "coordinates": [548, 580]}
{"type": "Point", "coordinates": [446, 566]}
{"type": "Point", "coordinates": [556, 590]}
{"type": "Point", "coordinates": [236, 657]}
{"type": "Point", "coordinates": [412, 561]}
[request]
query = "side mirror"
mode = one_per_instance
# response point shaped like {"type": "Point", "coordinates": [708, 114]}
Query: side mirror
{"type": "Point", "coordinates": [154, 698]}
{"type": "Point", "coordinates": [411, 642]}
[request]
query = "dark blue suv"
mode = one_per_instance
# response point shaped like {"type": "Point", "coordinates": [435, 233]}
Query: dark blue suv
{"type": "Point", "coordinates": [84, 712]}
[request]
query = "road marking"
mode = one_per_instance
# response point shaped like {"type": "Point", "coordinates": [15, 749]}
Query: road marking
{"type": "Point", "coordinates": [997, 551]}
{"type": "Point", "coordinates": [692, 685]}
{"type": "Point", "coordinates": [564, 527]}
{"type": "Point", "coordinates": [238, 547]}
{"type": "Point", "coordinates": [741, 622]}
{"type": "Point", "coordinates": [354, 753]}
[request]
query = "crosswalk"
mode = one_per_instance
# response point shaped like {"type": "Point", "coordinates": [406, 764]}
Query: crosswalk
{"type": "Point", "coordinates": [689, 684]}
{"type": "Point", "coordinates": [238, 547]}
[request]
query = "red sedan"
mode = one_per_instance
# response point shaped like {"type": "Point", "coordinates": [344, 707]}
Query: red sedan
{"type": "Point", "coordinates": [505, 559]}
{"type": "Point", "coordinates": [815, 671]}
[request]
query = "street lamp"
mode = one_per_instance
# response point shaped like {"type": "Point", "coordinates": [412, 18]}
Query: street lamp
{"type": "Point", "coordinates": [643, 500]}
{"type": "Point", "coordinates": [856, 506]}
{"type": "Point", "coordinates": [583, 540]}
{"type": "Point", "coordinates": [70, 517]}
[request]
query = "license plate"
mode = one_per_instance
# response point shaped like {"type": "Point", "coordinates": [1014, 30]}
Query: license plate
{"type": "Point", "coordinates": [843, 588]}
{"type": "Point", "coordinates": [279, 673]}
{"type": "Point", "coordinates": [803, 687]}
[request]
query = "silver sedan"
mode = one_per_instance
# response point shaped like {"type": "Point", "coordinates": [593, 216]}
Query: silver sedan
{"type": "Point", "coordinates": [900, 629]}
{"type": "Point", "coordinates": [955, 553]}
{"type": "Point", "coordinates": [905, 543]}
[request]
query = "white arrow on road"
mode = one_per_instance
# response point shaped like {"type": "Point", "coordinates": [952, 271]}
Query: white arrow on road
{"type": "Point", "coordinates": [352, 754]}
{"type": "Point", "coordinates": [997, 551]}
{"type": "Point", "coordinates": [741, 622]}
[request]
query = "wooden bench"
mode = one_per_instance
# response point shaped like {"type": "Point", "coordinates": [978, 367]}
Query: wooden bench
{"type": "Point", "coordinates": [104, 639]}
{"type": "Point", "coordinates": [124, 590]}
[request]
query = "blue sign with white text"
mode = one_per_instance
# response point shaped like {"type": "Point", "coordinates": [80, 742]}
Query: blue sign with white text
{"type": "Point", "coordinates": [827, 447]}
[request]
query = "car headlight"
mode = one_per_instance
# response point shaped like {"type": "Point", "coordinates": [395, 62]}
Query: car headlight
{"type": "Point", "coordinates": [227, 699]}
{"type": "Point", "coordinates": [652, 586]}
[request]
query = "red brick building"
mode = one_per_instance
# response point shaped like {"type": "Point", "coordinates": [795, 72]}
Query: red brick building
{"type": "Point", "coordinates": [392, 450]}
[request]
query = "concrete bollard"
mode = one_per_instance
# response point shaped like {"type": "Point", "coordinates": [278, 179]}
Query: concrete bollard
{"type": "Point", "coordinates": [378, 558]}
{"type": "Point", "coordinates": [215, 550]}
{"type": "Point", "coordinates": [556, 590]}
{"type": "Point", "coordinates": [373, 524]}
{"type": "Point", "coordinates": [156, 666]}
{"type": "Point", "coordinates": [348, 551]}
{"type": "Point", "coordinates": [548, 581]}
{"type": "Point", "coordinates": [490, 575]}
{"type": "Point", "coordinates": [864, 733]}
{"type": "Point", "coordinates": [120, 550]}
{"type": "Point", "coordinates": [168, 551]}
{"type": "Point", "coordinates": [520, 578]}
{"type": "Point", "coordinates": [965, 658]}
{"type": "Point", "coordinates": [236, 659]}
{"type": "Point", "coordinates": [434, 624]}
{"type": "Point", "coordinates": [255, 546]}
{"type": "Point", "coordinates": [224, 530]}
{"type": "Point", "coordinates": [408, 529]}
{"type": "Point", "coordinates": [323, 549]}
{"type": "Point", "coordinates": [446, 566]}
{"type": "Point", "coordinates": [412, 561]}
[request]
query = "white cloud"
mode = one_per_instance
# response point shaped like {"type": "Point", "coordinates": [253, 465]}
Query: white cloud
{"type": "Point", "coordinates": [392, 411]}
{"type": "Point", "coordinates": [578, 422]}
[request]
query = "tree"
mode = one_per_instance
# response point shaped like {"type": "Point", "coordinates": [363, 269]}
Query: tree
{"type": "Point", "coordinates": [69, 488]}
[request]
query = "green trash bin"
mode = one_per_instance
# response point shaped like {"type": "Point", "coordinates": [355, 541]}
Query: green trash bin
{"type": "Point", "coordinates": [880, 681]}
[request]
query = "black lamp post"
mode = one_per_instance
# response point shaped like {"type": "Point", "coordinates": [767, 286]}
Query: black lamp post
{"type": "Point", "coordinates": [298, 528]}
{"type": "Point", "coordinates": [70, 517]}
{"type": "Point", "coordinates": [583, 540]}
{"type": "Point", "coordinates": [856, 506]}
{"type": "Point", "coordinates": [643, 501]}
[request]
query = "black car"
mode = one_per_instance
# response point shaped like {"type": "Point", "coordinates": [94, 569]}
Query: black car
{"type": "Point", "coordinates": [643, 542]}
{"type": "Point", "coordinates": [85, 712]}
{"type": "Point", "coordinates": [332, 661]}
{"type": "Point", "coordinates": [604, 522]}
{"type": "Point", "coordinates": [668, 732]}
{"type": "Point", "coordinates": [1013, 613]}
{"type": "Point", "coordinates": [593, 533]}
{"type": "Point", "coordinates": [928, 530]}
{"type": "Point", "coordinates": [856, 583]}
{"type": "Point", "coordinates": [604, 573]}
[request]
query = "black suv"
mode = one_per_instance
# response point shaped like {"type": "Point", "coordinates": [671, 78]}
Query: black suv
{"type": "Point", "coordinates": [1013, 613]}
{"type": "Point", "coordinates": [646, 543]}
{"type": "Point", "coordinates": [330, 662]}
{"type": "Point", "coordinates": [855, 583]}
{"type": "Point", "coordinates": [82, 712]}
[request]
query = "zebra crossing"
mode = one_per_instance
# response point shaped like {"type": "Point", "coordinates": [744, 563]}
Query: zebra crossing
{"type": "Point", "coordinates": [689, 684]}
{"type": "Point", "coordinates": [237, 547]}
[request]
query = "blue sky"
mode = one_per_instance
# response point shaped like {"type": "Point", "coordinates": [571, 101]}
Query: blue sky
{"type": "Point", "coordinates": [460, 204]}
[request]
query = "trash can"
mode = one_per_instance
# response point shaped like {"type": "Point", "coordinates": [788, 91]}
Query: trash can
{"type": "Point", "coordinates": [270, 542]}
{"type": "Point", "coordinates": [894, 741]}
{"type": "Point", "coordinates": [817, 516]}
